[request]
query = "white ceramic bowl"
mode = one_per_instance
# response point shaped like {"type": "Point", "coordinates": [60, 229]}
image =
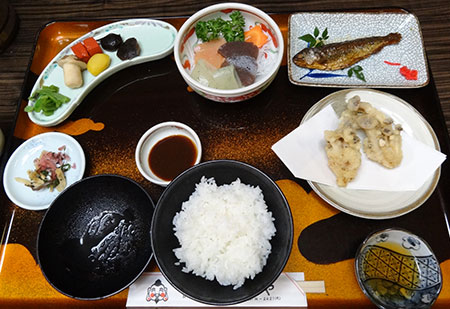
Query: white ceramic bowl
{"type": "Point", "coordinates": [152, 137]}
{"type": "Point", "coordinates": [269, 59]}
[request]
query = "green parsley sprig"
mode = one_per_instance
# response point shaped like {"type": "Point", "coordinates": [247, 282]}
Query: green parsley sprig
{"type": "Point", "coordinates": [231, 30]}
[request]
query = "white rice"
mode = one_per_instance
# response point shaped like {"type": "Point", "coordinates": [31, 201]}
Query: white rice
{"type": "Point", "coordinates": [224, 232]}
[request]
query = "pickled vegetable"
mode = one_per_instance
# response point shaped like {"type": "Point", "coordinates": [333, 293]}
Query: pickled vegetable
{"type": "Point", "coordinates": [98, 63]}
{"type": "Point", "coordinates": [111, 42]}
{"type": "Point", "coordinates": [256, 36]}
{"type": "Point", "coordinates": [92, 46]}
{"type": "Point", "coordinates": [81, 52]}
{"type": "Point", "coordinates": [46, 100]}
{"type": "Point", "coordinates": [49, 171]}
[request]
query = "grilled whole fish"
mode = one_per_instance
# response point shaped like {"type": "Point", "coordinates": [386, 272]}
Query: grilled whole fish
{"type": "Point", "coordinates": [337, 56]}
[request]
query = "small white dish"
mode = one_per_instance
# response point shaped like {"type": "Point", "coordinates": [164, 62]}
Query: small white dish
{"type": "Point", "coordinates": [155, 38]}
{"type": "Point", "coordinates": [381, 70]}
{"type": "Point", "coordinates": [22, 160]}
{"type": "Point", "coordinates": [152, 137]}
{"type": "Point", "coordinates": [373, 204]}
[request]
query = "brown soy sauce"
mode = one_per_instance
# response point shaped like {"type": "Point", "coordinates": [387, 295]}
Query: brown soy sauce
{"type": "Point", "coordinates": [171, 156]}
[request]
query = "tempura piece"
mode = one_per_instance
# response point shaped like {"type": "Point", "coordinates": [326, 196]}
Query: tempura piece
{"type": "Point", "coordinates": [344, 156]}
{"type": "Point", "coordinates": [382, 144]}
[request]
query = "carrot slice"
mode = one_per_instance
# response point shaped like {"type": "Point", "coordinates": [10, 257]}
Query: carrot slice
{"type": "Point", "coordinates": [81, 52]}
{"type": "Point", "coordinates": [92, 46]}
{"type": "Point", "coordinates": [256, 36]}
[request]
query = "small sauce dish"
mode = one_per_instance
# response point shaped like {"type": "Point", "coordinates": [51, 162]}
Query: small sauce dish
{"type": "Point", "coordinates": [166, 150]}
{"type": "Point", "coordinates": [397, 269]}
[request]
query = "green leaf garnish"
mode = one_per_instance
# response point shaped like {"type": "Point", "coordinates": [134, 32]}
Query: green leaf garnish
{"type": "Point", "coordinates": [231, 30]}
{"type": "Point", "coordinates": [316, 32]}
{"type": "Point", "coordinates": [309, 39]}
{"type": "Point", "coordinates": [314, 40]}
{"type": "Point", "coordinates": [325, 34]}
{"type": "Point", "coordinates": [358, 72]}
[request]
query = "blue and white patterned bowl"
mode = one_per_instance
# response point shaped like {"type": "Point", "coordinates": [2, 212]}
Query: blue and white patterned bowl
{"type": "Point", "coordinates": [397, 269]}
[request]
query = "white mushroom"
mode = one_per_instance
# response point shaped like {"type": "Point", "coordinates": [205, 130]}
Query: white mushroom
{"type": "Point", "coordinates": [72, 68]}
{"type": "Point", "coordinates": [367, 122]}
{"type": "Point", "coordinates": [353, 103]}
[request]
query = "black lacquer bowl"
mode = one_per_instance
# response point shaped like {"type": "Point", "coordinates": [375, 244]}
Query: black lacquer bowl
{"type": "Point", "coordinates": [94, 240]}
{"type": "Point", "coordinates": [164, 240]}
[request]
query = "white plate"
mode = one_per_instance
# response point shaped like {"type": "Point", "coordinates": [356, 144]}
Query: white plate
{"type": "Point", "coordinates": [345, 26]}
{"type": "Point", "coordinates": [155, 38]}
{"type": "Point", "coordinates": [22, 160]}
{"type": "Point", "coordinates": [379, 204]}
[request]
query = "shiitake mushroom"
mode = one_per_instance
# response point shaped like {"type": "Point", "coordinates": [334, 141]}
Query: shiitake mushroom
{"type": "Point", "coordinates": [111, 42]}
{"type": "Point", "coordinates": [129, 49]}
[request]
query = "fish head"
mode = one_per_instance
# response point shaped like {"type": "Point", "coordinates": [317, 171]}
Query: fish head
{"type": "Point", "coordinates": [307, 56]}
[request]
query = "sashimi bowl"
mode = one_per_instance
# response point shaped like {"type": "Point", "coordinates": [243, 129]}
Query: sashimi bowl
{"type": "Point", "coordinates": [226, 65]}
{"type": "Point", "coordinates": [222, 232]}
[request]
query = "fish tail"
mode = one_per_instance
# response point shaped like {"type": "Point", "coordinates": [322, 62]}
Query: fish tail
{"type": "Point", "coordinates": [393, 38]}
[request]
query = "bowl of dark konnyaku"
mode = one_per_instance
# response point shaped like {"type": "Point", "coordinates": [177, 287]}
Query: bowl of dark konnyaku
{"type": "Point", "coordinates": [222, 232]}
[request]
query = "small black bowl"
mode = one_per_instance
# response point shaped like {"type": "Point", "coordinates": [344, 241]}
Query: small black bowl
{"type": "Point", "coordinates": [94, 240]}
{"type": "Point", "coordinates": [164, 240]}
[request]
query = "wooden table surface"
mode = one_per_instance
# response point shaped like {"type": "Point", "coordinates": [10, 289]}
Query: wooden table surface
{"type": "Point", "coordinates": [433, 17]}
